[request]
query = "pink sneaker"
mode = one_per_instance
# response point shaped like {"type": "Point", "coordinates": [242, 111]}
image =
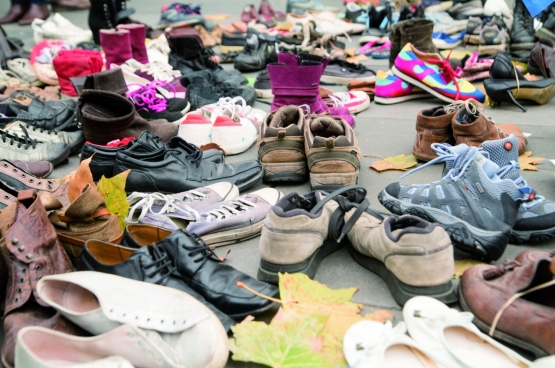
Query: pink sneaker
{"type": "Point", "coordinates": [475, 69]}
{"type": "Point", "coordinates": [391, 89]}
{"type": "Point", "coordinates": [369, 48]}
{"type": "Point", "coordinates": [355, 101]}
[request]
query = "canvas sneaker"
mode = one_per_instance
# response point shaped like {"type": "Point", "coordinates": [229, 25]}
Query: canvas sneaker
{"type": "Point", "coordinates": [433, 74]}
{"type": "Point", "coordinates": [24, 148]}
{"type": "Point", "coordinates": [74, 140]}
{"type": "Point", "coordinates": [444, 23]}
{"type": "Point", "coordinates": [262, 85]}
{"type": "Point", "coordinates": [355, 101]}
{"type": "Point", "coordinates": [444, 41]}
{"type": "Point", "coordinates": [332, 152]}
{"type": "Point", "coordinates": [472, 202]}
{"type": "Point", "coordinates": [391, 89]}
{"type": "Point", "coordinates": [342, 72]}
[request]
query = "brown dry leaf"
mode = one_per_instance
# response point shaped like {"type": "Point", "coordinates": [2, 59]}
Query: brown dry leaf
{"type": "Point", "coordinates": [208, 146]}
{"type": "Point", "coordinates": [399, 162]}
{"type": "Point", "coordinates": [81, 177]}
{"type": "Point", "coordinates": [462, 265]}
{"type": "Point", "coordinates": [527, 162]}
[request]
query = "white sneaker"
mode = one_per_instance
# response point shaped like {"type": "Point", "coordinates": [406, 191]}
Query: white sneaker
{"type": "Point", "coordinates": [452, 340]}
{"type": "Point", "coordinates": [370, 344]}
{"type": "Point", "coordinates": [327, 22]}
{"type": "Point", "coordinates": [56, 27]}
{"type": "Point", "coordinates": [196, 128]}
{"type": "Point", "coordinates": [444, 23]}
{"type": "Point", "coordinates": [234, 133]}
{"type": "Point", "coordinates": [499, 7]}
{"type": "Point", "coordinates": [158, 49]}
{"type": "Point", "coordinates": [355, 101]}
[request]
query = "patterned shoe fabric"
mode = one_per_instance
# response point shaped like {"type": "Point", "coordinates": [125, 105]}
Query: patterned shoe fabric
{"type": "Point", "coordinates": [391, 89]}
{"type": "Point", "coordinates": [433, 74]}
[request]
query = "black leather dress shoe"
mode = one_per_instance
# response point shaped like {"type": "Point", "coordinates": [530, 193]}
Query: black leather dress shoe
{"type": "Point", "coordinates": [149, 264]}
{"type": "Point", "coordinates": [182, 168]}
{"type": "Point", "coordinates": [204, 272]}
{"type": "Point", "coordinates": [104, 158]}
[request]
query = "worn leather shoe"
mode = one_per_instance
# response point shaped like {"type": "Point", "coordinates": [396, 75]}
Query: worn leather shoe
{"type": "Point", "coordinates": [181, 168]}
{"type": "Point", "coordinates": [205, 272]}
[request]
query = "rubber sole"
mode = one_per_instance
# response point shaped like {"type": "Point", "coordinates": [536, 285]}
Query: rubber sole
{"type": "Point", "coordinates": [483, 244]}
{"type": "Point", "coordinates": [522, 46]}
{"type": "Point", "coordinates": [329, 79]}
{"type": "Point", "coordinates": [531, 237]}
{"type": "Point", "coordinates": [269, 272]}
{"type": "Point", "coordinates": [425, 87]}
{"type": "Point", "coordinates": [332, 181]}
{"type": "Point", "coordinates": [287, 172]}
{"type": "Point", "coordinates": [401, 292]}
{"type": "Point", "coordinates": [544, 33]}
{"type": "Point", "coordinates": [484, 327]}
{"type": "Point", "coordinates": [396, 100]}
{"type": "Point", "coordinates": [225, 49]}
{"type": "Point", "coordinates": [233, 236]}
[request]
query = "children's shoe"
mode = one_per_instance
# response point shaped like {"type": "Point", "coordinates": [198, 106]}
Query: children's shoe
{"type": "Point", "coordinates": [378, 45]}
{"type": "Point", "coordinates": [196, 128]}
{"type": "Point", "coordinates": [391, 89]}
{"type": "Point", "coordinates": [433, 74]}
{"type": "Point", "coordinates": [443, 41]}
{"type": "Point", "coordinates": [475, 69]}
{"type": "Point", "coordinates": [355, 101]}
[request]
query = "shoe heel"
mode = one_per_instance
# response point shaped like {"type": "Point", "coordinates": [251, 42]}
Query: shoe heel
{"type": "Point", "coordinates": [512, 99]}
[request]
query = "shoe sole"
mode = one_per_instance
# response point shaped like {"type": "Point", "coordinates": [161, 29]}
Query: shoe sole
{"type": "Point", "coordinates": [330, 182]}
{"type": "Point", "coordinates": [264, 93]}
{"type": "Point", "coordinates": [425, 87]}
{"type": "Point", "coordinates": [269, 272]}
{"type": "Point", "coordinates": [284, 172]}
{"type": "Point", "coordinates": [482, 244]}
{"type": "Point", "coordinates": [522, 46]}
{"type": "Point", "coordinates": [484, 327]}
{"type": "Point", "coordinates": [396, 100]}
{"type": "Point", "coordinates": [531, 237]}
{"type": "Point", "coordinates": [329, 79]}
{"type": "Point", "coordinates": [233, 236]}
{"type": "Point", "coordinates": [401, 292]}
{"type": "Point", "coordinates": [61, 157]}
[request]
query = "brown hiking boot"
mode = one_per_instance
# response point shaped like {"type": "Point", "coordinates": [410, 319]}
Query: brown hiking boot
{"type": "Point", "coordinates": [433, 126]}
{"type": "Point", "coordinates": [281, 145]}
{"type": "Point", "coordinates": [86, 218]}
{"type": "Point", "coordinates": [332, 152]}
{"type": "Point", "coordinates": [471, 127]}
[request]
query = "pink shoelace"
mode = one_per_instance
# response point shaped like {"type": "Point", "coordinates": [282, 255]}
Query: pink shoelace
{"type": "Point", "coordinates": [146, 96]}
{"type": "Point", "coordinates": [449, 75]}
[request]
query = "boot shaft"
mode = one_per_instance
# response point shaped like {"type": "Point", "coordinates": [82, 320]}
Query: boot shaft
{"type": "Point", "coordinates": [137, 33]}
{"type": "Point", "coordinates": [116, 45]}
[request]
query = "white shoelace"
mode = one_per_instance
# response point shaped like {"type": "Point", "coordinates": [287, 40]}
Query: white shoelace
{"type": "Point", "coordinates": [231, 208]}
{"type": "Point", "coordinates": [145, 201]}
{"type": "Point", "coordinates": [339, 99]}
{"type": "Point", "coordinates": [160, 71]}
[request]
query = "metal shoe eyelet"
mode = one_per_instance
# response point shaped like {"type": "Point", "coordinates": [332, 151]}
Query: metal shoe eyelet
{"type": "Point", "coordinates": [5, 165]}
{"type": "Point", "coordinates": [6, 197]}
{"type": "Point", "coordinates": [14, 170]}
{"type": "Point", "coordinates": [23, 175]}
{"type": "Point", "coordinates": [31, 180]}
{"type": "Point", "coordinates": [49, 186]}
{"type": "Point", "coordinates": [16, 300]}
{"type": "Point", "coordinates": [39, 183]}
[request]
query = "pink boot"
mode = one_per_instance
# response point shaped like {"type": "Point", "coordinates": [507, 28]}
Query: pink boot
{"type": "Point", "coordinates": [116, 45]}
{"type": "Point", "coordinates": [138, 35]}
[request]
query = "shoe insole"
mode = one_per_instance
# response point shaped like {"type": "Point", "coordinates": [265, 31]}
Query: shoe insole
{"type": "Point", "coordinates": [477, 352]}
{"type": "Point", "coordinates": [70, 296]}
{"type": "Point", "coordinates": [402, 356]}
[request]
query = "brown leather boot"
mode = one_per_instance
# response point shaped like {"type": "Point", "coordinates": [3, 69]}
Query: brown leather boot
{"type": "Point", "coordinates": [15, 13]}
{"type": "Point", "coordinates": [35, 11]}
{"type": "Point", "coordinates": [106, 116]}
{"type": "Point", "coordinates": [86, 218]}
{"type": "Point", "coordinates": [70, 5]}
{"type": "Point", "coordinates": [32, 251]}
{"type": "Point", "coordinates": [432, 126]}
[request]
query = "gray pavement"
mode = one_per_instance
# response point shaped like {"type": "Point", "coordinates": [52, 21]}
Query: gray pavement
{"type": "Point", "coordinates": [381, 130]}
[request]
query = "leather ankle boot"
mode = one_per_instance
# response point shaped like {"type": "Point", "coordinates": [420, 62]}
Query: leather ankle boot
{"type": "Point", "coordinates": [116, 45]}
{"type": "Point", "coordinates": [106, 116]}
{"type": "Point", "coordinates": [35, 11]}
{"type": "Point", "coordinates": [137, 34]}
{"type": "Point", "coordinates": [32, 251]}
{"type": "Point", "coordinates": [15, 13]}
{"type": "Point", "coordinates": [415, 31]}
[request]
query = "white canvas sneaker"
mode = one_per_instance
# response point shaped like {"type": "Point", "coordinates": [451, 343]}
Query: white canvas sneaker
{"type": "Point", "coordinates": [355, 101]}
{"type": "Point", "coordinates": [56, 27]}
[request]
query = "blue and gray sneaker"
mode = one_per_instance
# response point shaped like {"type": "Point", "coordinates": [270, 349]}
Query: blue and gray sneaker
{"type": "Point", "coordinates": [180, 15]}
{"type": "Point", "coordinates": [473, 201]}
{"type": "Point", "coordinates": [536, 218]}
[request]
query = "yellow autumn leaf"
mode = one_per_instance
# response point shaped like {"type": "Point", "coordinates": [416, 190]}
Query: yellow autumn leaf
{"type": "Point", "coordinates": [462, 265]}
{"type": "Point", "coordinates": [113, 192]}
{"type": "Point", "coordinates": [399, 162]}
{"type": "Point", "coordinates": [527, 162]}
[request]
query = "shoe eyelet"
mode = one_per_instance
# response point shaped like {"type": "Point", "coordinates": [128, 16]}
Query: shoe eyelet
{"type": "Point", "coordinates": [39, 183]}
{"type": "Point", "coordinates": [14, 170]}
{"type": "Point", "coordinates": [5, 165]}
{"type": "Point", "coordinates": [23, 175]}
{"type": "Point", "coordinates": [6, 197]}
{"type": "Point", "coordinates": [49, 186]}
{"type": "Point", "coordinates": [31, 180]}
{"type": "Point", "coordinates": [16, 300]}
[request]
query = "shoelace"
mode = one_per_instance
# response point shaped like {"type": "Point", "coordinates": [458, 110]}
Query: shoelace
{"type": "Point", "coordinates": [35, 128]}
{"type": "Point", "coordinates": [20, 141]}
{"type": "Point", "coordinates": [160, 72]}
{"type": "Point", "coordinates": [163, 266]}
{"type": "Point", "coordinates": [170, 204]}
{"type": "Point", "coordinates": [195, 157]}
{"type": "Point", "coordinates": [231, 208]}
{"type": "Point", "coordinates": [230, 103]}
{"type": "Point", "coordinates": [146, 96]}
{"type": "Point", "coordinates": [449, 75]}
{"type": "Point", "coordinates": [202, 249]}
{"type": "Point", "coordinates": [338, 99]}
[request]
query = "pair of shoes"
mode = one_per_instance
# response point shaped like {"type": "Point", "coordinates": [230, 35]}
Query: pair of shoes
{"type": "Point", "coordinates": [107, 14]}
{"type": "Point", "coordinates": [124, 43]}
{"type": "Point", "coordinates": [436, 333]}
{"type": "Point", "coordinates": [56, 27]}
{"type": "Point", "coordinates": [230, 124]}
{"type": "Point", "coordinates": [25, 14]}
{"type": "Point", "coordinates": [265, 11]}
{"type": "Point", "coordinates": [179, 15]}
{"type": "Point", "coordinates": [219, 216]}
{"type": "Point", "coordinates": [289, 142]}
{"type": "Point", "coordinates": [411, 255]}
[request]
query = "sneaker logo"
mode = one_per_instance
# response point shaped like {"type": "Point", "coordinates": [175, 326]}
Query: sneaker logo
{"type": "Point", "coordinates": [480, 189]}
{"type": "Point", "coordinates": [508, 146]}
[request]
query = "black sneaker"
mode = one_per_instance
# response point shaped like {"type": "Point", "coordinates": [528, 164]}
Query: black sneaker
{"type": "Point", "coordinates": [258, 52]}
{"type": "Point", "coordinates": [203, 90]}
{"type": "Point", "coordinates": [262, 86]}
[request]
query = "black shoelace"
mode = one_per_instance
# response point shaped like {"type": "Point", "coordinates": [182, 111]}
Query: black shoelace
{"type": "Point", "coordinates": [35, 128]}
{"type": "Point", "coordinates": [201, 249]}
{"type": "Point", "coordinates": [163, 266]}
{"type": "Point", "coordinates": [195, 157]}
{"type": "Point", "coordinates": [14, 139]}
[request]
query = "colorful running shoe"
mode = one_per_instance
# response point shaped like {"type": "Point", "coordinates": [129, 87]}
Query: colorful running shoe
{"type": "Point", "coordinates": [391, 89]}
{"type": "Point", "coordinates": [433, 74]}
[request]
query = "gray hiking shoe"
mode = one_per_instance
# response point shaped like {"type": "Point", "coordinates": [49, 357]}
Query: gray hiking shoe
{"type": "Point", "coordinates": [342, 72]}
{"type": "Point", "coordinates": [23, 148]}
{"type": "Point", "coordinates": [74, 140]}
{"type": "Point", "coordinates": [474, 205]}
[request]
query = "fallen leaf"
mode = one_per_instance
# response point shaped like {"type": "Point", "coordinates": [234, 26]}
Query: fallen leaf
{"type": "Point", "coordinates": [290, 340]}
{"type": "Point", "coordinates": [80, 178]}
{"type": "Point", "coordinates": [208, 146]}
{"type": "Point", "coordinates": [399, 162]}
{"type": "Point", "coordinates": [527, 162]}
{"type": "Point", "coordinates": [356, 59]}
{"type": "Point", "coordinates": [113, 192]}
{"type": "Point", "coordinates": [350, 52]}
{"type": "Point", "coordinates": [462, 265]}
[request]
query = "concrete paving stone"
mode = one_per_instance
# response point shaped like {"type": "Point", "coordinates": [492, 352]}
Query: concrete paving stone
{"type": "Point", "coordinates": [381, 130]}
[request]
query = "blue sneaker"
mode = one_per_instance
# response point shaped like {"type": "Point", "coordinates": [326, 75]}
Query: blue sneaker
{"type": "Point", "coordinates": [180, 15]}
{"type": "Point", "coordinates": [444, 41]}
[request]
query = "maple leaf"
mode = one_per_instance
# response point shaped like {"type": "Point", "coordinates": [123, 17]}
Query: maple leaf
{"type": "Point", "coordinates": [462, 265]}
{"type": "Point", "coordinates": [79, 180]}
{"type": "Point", "coordinates": [399, 162]}
{"type": "Point", "coordinates": [290, 340]}
{"type": "Point", "coordinates": [527, 162]}
{"type": "Point", "coordinates": [113, 192]}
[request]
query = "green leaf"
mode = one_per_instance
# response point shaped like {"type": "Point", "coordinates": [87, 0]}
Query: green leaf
{"type": "Point", "coordinates": [399, 162]}
{"type": "Point", "coordinates": [113, 192]}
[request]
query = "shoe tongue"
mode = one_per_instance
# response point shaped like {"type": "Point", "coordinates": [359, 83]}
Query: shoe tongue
{"type": "Point", "coordinates": [177, 142]}
{"type": "Point", "coordinates": [502, 152]}
{"type": "Point", "coordinates": [489, 167]}
{"type": "Point", "coordinates": [325, 128]}
{"type": "Point", "coordinates": [150, 140]}
{"type": "Point", "coordinates": [252, 40]}
{"type": "Point", "coordinates": [467, 117]}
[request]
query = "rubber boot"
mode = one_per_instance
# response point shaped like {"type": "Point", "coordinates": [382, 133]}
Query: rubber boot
{"type": "Point", "coordinates": [137, 34]}
{"type": "Point", "coordinates": [116, 45]}
{"type": "Point", "coordinates": [415, 31]}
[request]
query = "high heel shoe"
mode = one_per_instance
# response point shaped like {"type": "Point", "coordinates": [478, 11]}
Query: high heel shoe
{"type": "Point", "coordinates": [509, 85]}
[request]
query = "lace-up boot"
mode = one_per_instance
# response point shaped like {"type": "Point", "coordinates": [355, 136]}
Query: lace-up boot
{"type": "Point", "coordinates": [433, 126]}
{"type": "Point", "coordinates": [23, 147]}
{"type": "Point", "coordinates": [522, 31]}
{"type": "Point", "coordinates": [107, 116]}
{"type": "Point", "coordinates": [181, 168]}
{"type": "Point", "coordinates": [203, 271]}
{"type": "Point", "coordinates": [472, 203]}
{"type": "Point", "coordinates": [73, 140]}
{"type": "Point", "coordinates": [258, 52]}
{"type": "Point", "coordinates": [147, 264]}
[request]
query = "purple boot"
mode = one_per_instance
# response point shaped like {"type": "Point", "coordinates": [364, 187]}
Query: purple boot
{"type": "Point", "coordinates": [295, 80]}
{"type": "Point", "coordinates": [116, 45]}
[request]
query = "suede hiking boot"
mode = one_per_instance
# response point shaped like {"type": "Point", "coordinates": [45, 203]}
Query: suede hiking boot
{"type": "Point", "coordinates": [107, 116]}
{"type": "Point", "coordinates": [332, 152]}
{"type": "Point", "coordinates": [281, 149]}
{"type": "Point", "coordinates": [472, 203]}
{"type": "Point", "coordinates": [415, 31]}
{"type": "Point", "coordinates": [85, 218]}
